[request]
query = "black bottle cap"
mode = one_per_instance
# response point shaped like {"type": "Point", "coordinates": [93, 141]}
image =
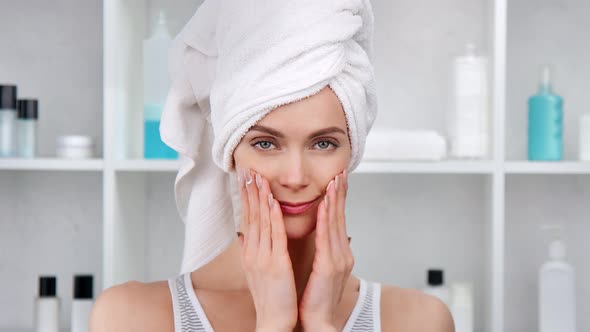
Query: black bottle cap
{"type": "Point", "coordinates": [8, 96]}
{"type": "Point", "coordinates": [83, 287]}
{"type": "Point", "coordinates": [47, 286]}
{"type": "Point", "coordinates": [28, 108]}
{"type": "Point", "coordinates": [435, 277]}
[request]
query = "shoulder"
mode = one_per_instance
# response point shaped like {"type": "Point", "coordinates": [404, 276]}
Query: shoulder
{"type": "Point", "coordinates": [412, 310]}
{"type": "Point", "coordinates": [133, 306]}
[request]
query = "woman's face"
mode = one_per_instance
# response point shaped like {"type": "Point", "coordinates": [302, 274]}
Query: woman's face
{"type": "Point", "coordinates": [298, 148]}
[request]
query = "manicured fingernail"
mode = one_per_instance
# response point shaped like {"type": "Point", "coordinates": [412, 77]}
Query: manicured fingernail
{"type": "Point", "coordinates": [271, 201]}
{"type": "Point", "coordinates": [329, 185]}
{"type": "Point", "coordinates": [326, 202]}
{"type": "Point", "coordinates": [336, 183]}
{"type": "Point", "coordinates": [248, 176]}
{"type": "Point", "coordinates": [258, 181]}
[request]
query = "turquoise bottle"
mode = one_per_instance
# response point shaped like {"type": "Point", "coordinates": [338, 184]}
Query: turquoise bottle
{"type": "Point", "coordinates": [155, 86]}
{"type": "Point", "coordinates": [545, 127]}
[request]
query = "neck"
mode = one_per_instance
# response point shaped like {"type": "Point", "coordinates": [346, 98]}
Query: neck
{"type": "Point", "coordinates": [225, 271]}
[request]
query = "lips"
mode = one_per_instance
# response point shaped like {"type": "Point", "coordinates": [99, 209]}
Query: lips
{"type": "Point", "coordinates": [289, 208]}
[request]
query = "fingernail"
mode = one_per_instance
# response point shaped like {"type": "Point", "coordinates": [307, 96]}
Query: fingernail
{"type": "Point", "coordinates": [258, 181]}
{"type": "Point", "coordinates": [336, 183]}
{"type": "Point", "coordinates": [271, 201]}
{"type": "Point", "coordinates": [328, 187]}
{"type": "Point", "coordinates": [248, 176]}
{"type": "Point", "coordinates": [326, 202]}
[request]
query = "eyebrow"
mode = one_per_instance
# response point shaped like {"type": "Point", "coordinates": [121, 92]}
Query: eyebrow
{"type": "Point", "coordinates": [314, 134]}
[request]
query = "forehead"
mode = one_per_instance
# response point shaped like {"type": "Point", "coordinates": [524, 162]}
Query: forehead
{"type": "Point", "coordinates": [315, 112]}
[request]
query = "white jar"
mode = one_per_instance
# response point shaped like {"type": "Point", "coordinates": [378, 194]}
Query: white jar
{"type": "Point", "coordinates": [75, 147]}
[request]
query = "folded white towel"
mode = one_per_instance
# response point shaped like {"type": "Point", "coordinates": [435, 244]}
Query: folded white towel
{"type": "Point", "coordinates": [233, 63]}
{"type": "Point", "coordinates": [405, 145]}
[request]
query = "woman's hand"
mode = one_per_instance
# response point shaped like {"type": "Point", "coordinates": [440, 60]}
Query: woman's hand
{"type": "Point", "coordinates": [333, 261]}
{"type": "Point", "coordinates": [265, 257]}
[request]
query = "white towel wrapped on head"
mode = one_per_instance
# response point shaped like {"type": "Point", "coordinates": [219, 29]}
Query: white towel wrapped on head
{"type": "Point", "coordinates": [234, 62]}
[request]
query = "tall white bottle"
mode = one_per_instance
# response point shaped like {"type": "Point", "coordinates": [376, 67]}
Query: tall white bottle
{"type": "Point", "coordinates": [468, 121]}
{"type": "Point", "coordinates": [557, 302]}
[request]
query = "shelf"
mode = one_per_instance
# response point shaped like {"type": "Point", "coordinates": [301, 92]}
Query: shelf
{"type": "Point", "coordinates": [559, 167]}
{"type": "Point", "coordinates": [142, 165]}
{"type": "Point", "coordinates": [440, 167]}
{"type": "Point", "coordinates": [52, 164]}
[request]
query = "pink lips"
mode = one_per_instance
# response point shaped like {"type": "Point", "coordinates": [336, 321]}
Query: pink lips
{"type": "Point", "coordinates": [296, 209]}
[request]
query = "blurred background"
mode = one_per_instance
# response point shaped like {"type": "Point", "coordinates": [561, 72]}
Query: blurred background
{"type": "Point", "coordinates": [476, 147]}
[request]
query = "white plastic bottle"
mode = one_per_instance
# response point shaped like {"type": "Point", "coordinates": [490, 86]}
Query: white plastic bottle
{"type": "Point", "coordinates": [557, 303]}
{"type": "Point", "coordinates": [468, 122]}
{"type": "Point", "coordinates": [47, 306]}
{"type": "Point", "coordinates": [436, 286]}
{"type": "Point", "coordinates": [82, 302]}
{"type": "Point", "coordinates": [462, 306]}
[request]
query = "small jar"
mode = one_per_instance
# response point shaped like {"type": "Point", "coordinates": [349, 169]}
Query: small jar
{"type": "Point", "coordinates": [8, 114]}
{"type": "Point", "coordinates": [26, 138]}
{"type": "Point", "coordinates": [75, 147]}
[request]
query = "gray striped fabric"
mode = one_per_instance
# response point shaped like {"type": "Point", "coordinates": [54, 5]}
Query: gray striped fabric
{"type": "Point", "coordinates": [191, 322]}
{"type": "Point", "coordinates": [364, 321]}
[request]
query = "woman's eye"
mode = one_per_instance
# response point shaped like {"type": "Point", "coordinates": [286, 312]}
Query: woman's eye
{"type": "Point", "coordinates": [325, 145]}
{"type": "Point", "coordinates": [264, 145]}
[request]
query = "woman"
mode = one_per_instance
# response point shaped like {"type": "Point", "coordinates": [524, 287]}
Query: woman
{"type": "Point", "coordinates": [275, 277]}
{"type": "Point", "coordinates": [281, 96]}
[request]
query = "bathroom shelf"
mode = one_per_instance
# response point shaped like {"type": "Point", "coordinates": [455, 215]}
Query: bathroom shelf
{"type": "Point", "coordinates": [560, 167]}
{"type": "Point", "coordinates": [52, 164]}
{"type": "Point", "coordinates": [437, 167]}
{"type": "Point", "coordinates": [147, 165]}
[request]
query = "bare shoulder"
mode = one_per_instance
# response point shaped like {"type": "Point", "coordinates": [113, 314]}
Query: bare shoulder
{"type": "Point", "coordinates": [404, 309]}
{"type": "Point", "coordinates": [133, 306]}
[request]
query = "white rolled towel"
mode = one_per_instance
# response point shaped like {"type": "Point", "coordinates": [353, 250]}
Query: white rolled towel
{"type": "Point", "coordinates": [404, 145]}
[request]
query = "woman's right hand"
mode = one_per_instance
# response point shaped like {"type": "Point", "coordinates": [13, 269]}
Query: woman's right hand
{"type": "Point", "coordinates": [265, 258]}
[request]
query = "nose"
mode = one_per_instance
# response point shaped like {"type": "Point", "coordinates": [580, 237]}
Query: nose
{"type": "Point", "coordinates": [294, 172]}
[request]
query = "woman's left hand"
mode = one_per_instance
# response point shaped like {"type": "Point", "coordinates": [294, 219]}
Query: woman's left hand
{"type": "Point", "coordinates": [333, 261]}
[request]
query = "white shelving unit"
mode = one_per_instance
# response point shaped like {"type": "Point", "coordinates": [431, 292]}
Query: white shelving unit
{"type": "Point", "coordinates": [476, 219]}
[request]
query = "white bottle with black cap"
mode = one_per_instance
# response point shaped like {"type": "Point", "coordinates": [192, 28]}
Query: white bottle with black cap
{"type": "Point", "coordinates": [8, 114]}
{"type": "Point", "coordinates": [436, 286]}
{"type": "Point", "coordinates": [82, 302]}
{"type": "Point", "coordinates": [26, 138]}
{"type": "Point", "coordinates": [47, 305]}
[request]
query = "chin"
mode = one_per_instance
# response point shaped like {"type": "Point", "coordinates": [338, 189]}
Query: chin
{"type": "Point", "coordinates": [300, 226]}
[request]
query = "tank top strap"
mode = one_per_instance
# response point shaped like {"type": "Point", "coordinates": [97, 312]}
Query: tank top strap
{"type": "Point", "coordinates": [187, 316]}
{"type": "Point", "coordinates": [366, 315]}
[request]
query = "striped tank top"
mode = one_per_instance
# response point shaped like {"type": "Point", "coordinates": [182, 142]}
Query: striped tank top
{"type": "Point", "coordinates": [189, 316]}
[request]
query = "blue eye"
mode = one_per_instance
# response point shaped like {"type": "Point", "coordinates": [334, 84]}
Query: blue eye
{"type": "Point", "coordinates": [328, 144]}
{"type": "Point", "coordinates": [263, 148]}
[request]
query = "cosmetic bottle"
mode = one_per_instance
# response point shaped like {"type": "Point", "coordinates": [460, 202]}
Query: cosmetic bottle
{"type": "Point", "coordinates": [436, 286]}
{"type": "Point", "coordinates": [584, 143]}
{"type": "Point", "coordinates": [26, 137]}
{"type": "Point", "coordinates": [8, 115]}
{"type": "Point", "coordinates": [156, 83]}
{"type": "Point", "coordinates": [82, 302]}
{"type": "Point", "coordinates": [557, 294]}
{"type": "Point", "coordinates": [545, 127]}
{"type": "Point", "coordinates": [47, 306]}
{"type": "Point", "coordinates": [462, 306]}
{"type": "Point", "coordinates": [468, 122]}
